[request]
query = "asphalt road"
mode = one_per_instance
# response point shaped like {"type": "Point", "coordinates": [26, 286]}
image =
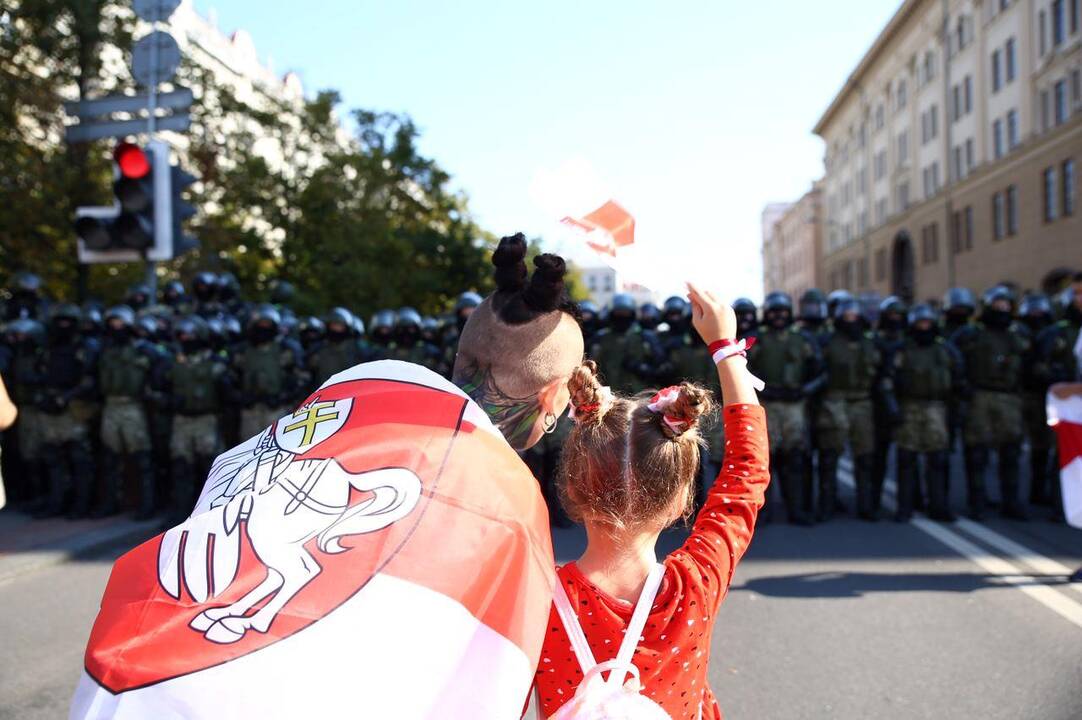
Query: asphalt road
{"type": "Point", "coordinates": [844, 620]}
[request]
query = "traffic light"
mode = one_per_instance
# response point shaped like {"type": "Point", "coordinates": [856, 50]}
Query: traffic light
{"type": "Point", "coordinates": [145, 221]}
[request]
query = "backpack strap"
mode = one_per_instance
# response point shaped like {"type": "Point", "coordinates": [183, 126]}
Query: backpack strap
{"type": "Point", "coordinates": [574, 630]}
{"type": "Point", "coordinates": [638, 622]}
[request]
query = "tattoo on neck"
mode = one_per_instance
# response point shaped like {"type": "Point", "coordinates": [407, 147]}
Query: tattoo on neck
{"type": "Point", "coordinates": [515, 417]}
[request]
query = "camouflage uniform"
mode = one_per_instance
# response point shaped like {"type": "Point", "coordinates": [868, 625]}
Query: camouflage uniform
{"type": "Point", "coordinates": [845, 416]}
{"type": "Point", "coordinates": [24, 384]}
{"type": "Point", "coordinates": [124, 377]}
{"type": "Point", "coordinates": [994, 358]}
{"type": "Point", "coordinates": [790, 365]}
{"type": "Point", "coordinates": [926, 373]}
{"type": "Point", "coordinates": [200, 385]}
{"type": "Point", "coordinates": [267, 375]}
{"type": "Point", "coordinates": [622, 359]}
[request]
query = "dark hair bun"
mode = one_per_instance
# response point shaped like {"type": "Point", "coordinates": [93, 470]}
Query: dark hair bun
{"type": "Point", "coordinates": [546, 290]}
{"type": "Point", "coordinates": [510, 262]}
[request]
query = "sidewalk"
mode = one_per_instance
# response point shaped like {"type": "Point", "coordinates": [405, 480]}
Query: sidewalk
{"type": "Point", "coordinates": [27, 544]}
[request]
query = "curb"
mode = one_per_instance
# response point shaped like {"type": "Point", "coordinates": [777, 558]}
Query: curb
{"type": "Point", "coordinates": [128, 532]}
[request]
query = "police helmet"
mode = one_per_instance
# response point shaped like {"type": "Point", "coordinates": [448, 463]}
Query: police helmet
{"type": "Point", "coordinates": [26, 328]}
{"type": "Point", "coordinates": [923, 311]}
{"type": "Point", "coordinates": [813, 305]}
{"type": "Point", "coordinates": [892, 304]}
{"type": "Point", "coordinates": [744, 306]}
{"type": "Point", "coordinates": [777, 301]}
{"type": "Point", "coordinates": [407, 317]}
{"type": "Point", "coordinates": [26, 282]}
{"type": "Point", "coordinates": [1035, 305]}
{"type": "Point", "coordinates": [467, 300]}
{"type": "Point", "coordinates": [835, 297]}
{"type": "Point", "coordinates": [281, 292]}
{"type": "Point", "coordinates": [622, 302]}
{"type": "Point", "coordinates": [228, 285]}
{"type": "Point", "coordinates": [852, 305]}
{"type": "Point", "coordinates": [339, 315]}
{"type": "Point", "coordinates": [960, 299]}
{"type": "Point", "coordinates": [996, 294]}
{"type": "Point", "coordinates": [358, 325]}
{"type": "Point", "coordinates": [192, 326]}
{"type": "Point", "coordinates": [311, 325]}
{"type": "Point", "coordinates": [384, 319]}
{"type": "Point", "coordinates": [265, 312]}
{"type": "Point", "coordinates": [205, 283]}
{"type": "Point", "coordinates": [650, 314]}
{"type": "Point", "coordinates": [65, 311]}
{"type": "Point", "coordinates": [588, 308]}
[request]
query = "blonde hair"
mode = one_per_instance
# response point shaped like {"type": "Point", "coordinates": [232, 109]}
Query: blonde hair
{"type": "Point", "coordinates": [623, 465]}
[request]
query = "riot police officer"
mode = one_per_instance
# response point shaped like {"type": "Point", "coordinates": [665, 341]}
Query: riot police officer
{"type": "Point", "coordinates": [790, 365]}
{"type": "Point", "coordinates": [747, 318]}
{"type": "Point", "coordinates": [959, 306]}
{"type": "Point", "coordinates": [926, 372]}
{"type": "Point", "coordinates": [623, 355]}
{"type": "Point", "coordinates": [27, 338]}
{"type": "Point", "coordinates": [836, 298]}
{"type": "Point", "coordinates": [199, 385]}
{"type": "Point", "coordinates": [125, 375]}
{"type": "Point", "coordinates": [813, 313]}
{"type": "Point", "coordinates": [382, 331]}
{"type": "Point", "coordinates": [1035, 314]}
{"type": "Point", "coordinates": [994, 351]}
{"type": "Point", "coordinates": [174, 297]}
{"type": "Point", "coordinates": [138, 297]}
{"type": "Point", "coordinates": [229, 295]}
{"type": "Point", "coordinates": [268, 371]}
{"type": "Point", "coordinates": [889, 337]}
{"type": "Point", "coordinates": [408, 346]}
{"type": "Point", "coordinates": [205, 291]}
{"type": "Point", "coordinates": [466, 303]}
{"type": "Point", "coordinates": [26, 298]}
{"type": "Point", "coordinates": [590, 319]}
{"type": "Point", "coordinates": [282, 293]}
{"type": "Point", "coordinates": [341, 349]}
{"type": "Point", "coordinates": [844, 414]}
{"type": "Point", "coordinates": [68, 374]}
{"type": "Point", "coordinates": [649, 317]}
{"type": "Point", "coordinates": [310, 333]}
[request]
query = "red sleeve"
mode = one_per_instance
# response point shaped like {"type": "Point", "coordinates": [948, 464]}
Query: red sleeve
{"type": "Point", "coordinates": [724, 526]}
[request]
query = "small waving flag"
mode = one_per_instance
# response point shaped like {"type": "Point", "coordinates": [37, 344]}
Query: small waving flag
{"type": "Point", "coordinates": [608, 228]}
{"type": "Point", "coordinates": [1065, 415]}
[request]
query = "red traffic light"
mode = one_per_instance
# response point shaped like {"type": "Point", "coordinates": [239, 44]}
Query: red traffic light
{"type": "Point", "coordinates": [132, 161]}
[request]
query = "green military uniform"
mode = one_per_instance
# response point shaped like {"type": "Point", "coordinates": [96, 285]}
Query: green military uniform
{"type": "Point", "coordinates": [268, 376]}
{"type": "Point", "coordinates": [332, 358]}
{"type": "Point", "coordinates": [621, 358]}
{"type": "Point", "coordinates": [845, 416]}
{"type": "Point", "coordinates": [787, 361]}
{"type": "Point", "coordinates": [925, 377]}
{"type": "Point", "coordinates": [30, 427]}
{"type": "Point", "coordinates": [198, 382]}
{"type": "Point", "coordinates": [993, 361]}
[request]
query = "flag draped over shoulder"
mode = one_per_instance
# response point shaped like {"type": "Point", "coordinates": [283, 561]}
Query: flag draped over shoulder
{"type": "Point", "coordinates": [379, 552]}
{"type": "Point", "coordinates": [1065, 415]}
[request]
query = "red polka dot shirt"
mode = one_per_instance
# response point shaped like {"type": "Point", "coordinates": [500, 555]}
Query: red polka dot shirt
{"type": "Point", "coordinates": [674, 651]}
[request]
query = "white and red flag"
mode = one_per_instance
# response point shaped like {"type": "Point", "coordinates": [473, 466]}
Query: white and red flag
{"type": "Point", "coordinates": [607, 228]}
{"type": "Point", "coordinates": [1065, 415]}
{"type": "Point", "coordinates": [379, 552]}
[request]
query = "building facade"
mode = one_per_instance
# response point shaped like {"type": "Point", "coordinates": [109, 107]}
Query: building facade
{"type": "Point", "coordinates": [796, 247]}
{"type": "Point", "coordinates": [773, 275]}
{"type": "Point", "coordinates": [603, 283]}
{"type": "Point", "coordinates": [952, 150]}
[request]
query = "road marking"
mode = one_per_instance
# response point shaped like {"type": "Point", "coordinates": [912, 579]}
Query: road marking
{"type": "Point", "coordinates": [1017, 551]}
{"type": "Point", "coordinates": [1055, 601]}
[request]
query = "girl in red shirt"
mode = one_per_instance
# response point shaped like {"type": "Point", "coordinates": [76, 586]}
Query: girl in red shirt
{"type": "Point", "coordinates": [628, 474]}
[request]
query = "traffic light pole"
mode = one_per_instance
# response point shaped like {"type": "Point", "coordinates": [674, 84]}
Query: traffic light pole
{"type": "Point", "coordinates": [151, 275]}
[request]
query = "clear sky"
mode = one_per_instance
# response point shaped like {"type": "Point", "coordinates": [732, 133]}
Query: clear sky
{"type": "Point", "coordinates": [693, 114]}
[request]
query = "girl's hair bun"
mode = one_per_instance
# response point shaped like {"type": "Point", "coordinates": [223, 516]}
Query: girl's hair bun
{"type": "Point", "coordinates": [688, 408]}
{"type": "Point", "coordinates": [546, 290]}
{"type": "Point", "coordinates": [587, 396]}
{"type": "Point", "coordinates": [510, 262]}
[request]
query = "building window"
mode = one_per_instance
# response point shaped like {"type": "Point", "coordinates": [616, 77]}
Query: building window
{"type": "Point", "coordinates": [969, 227]}
{"type": "Point", "coordinates": [1012, 130]}
{"type": "Point", "coordinates": [997, 78]}
{"type": "Point", "coordinates": [903, 147]}
{"type": "Point", "coordinates": [1042, 29]}
{"type": "Point", "coordinates": [1060, 92]}
{"type": "Point", "coordinates": [881, 211]}
{"type": "Point", "coordinates": [997, 138]}
{"type": "Point", "coordinates": [956, 229]}
{"type": "Point", "coordinates": [901, 95]}
{"type": "Point", "coordinates": [862, 180]}
{"type": "Point", "coordinates": [970, 159]}
{"type": "Point", "coordinates": [1076, 84]}
{"type": "Point", "coordinates": [997, 216]}
{"type": "Point", "coordinates": [1068, 188]}
{"type": "Point", "coordinates": [956, 103]}
{"type": "Point", "coordinates": [1012, 210]}
{"type": "Point", "coordinates": [930, 244]}
{"type": "Point", "coordinates": [1049, 194]}
{"type": "Point", "coordinates": [879, 165]}
{"type": "Point", "coordinates": [1008, 53]}
{"type": "Point", "coordinates": [959, 171]}
{"type": "Point", "coordinates": [929, 67]}
{"type": "Point", "coordinates": [903, 196]}
{"type": "Point", "coordinates": [879, 117]}
{"type": "Point", "coordinates": [1075, 11]}
{"type": "Point", "coordinates": [1046, 110]}
{"type": "Point", "coordinates": [1059, 27]}
{"type": "Point", "coordinates": [968, 85]}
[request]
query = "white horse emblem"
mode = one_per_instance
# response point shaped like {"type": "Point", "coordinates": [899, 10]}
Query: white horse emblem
{"type": "Point", "coordinates": [286, 502]}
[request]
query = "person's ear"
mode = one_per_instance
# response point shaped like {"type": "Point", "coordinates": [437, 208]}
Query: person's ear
{"type": "Point", "coordinates": [554, 397]}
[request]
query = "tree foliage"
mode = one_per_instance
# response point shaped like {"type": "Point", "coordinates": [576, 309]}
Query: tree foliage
{"type": "Point", "coordinates": [358, 218]}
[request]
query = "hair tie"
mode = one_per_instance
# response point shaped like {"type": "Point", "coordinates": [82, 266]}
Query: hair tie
{"type": "Point", "coordinates": [662, 403]}
{"type": "Point", "coordinates": [603, 397]}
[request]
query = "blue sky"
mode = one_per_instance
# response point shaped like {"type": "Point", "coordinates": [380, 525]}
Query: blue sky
{"type": "Point", "coordinates": [693, 114]}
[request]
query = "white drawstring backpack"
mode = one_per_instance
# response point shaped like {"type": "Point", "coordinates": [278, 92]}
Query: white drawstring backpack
{"type": "Point", "coordinates": [618, 697]}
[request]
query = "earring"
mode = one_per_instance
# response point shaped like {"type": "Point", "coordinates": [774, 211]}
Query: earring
{"type": "Point", "coordinates": [550, 423]}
